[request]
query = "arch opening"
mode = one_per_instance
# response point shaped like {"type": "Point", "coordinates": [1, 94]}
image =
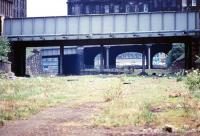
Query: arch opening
{"type": "Point", "coordinates": [129, 60]}
{"type": "Point", "coordinates": [159, 60]}
{"type": "Point", "coordinates": [97, 61]}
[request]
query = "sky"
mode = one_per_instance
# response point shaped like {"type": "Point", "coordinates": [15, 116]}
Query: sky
{"type": "Point", "coordinates": [36, 8]}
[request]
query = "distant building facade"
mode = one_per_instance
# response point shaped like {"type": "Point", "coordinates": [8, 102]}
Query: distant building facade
{"type": "Point", "coordinates": [77, 7]}
{"type": "Point", "coordinates": [13, 8]}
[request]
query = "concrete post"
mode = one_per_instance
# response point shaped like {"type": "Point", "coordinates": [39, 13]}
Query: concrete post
{"type": "Point", "coordinates": [149, 55]}
{"type": "Point", "coordinates": [143, 62]}
{"type": "Point", "coordinates": [107, 57]}
{"type": "Point", "coordinates": [188, 55]}
{"type": "Point", "coordinates": [101, 59]}
{"type": "Point", "coordinates": [61, 60]}
{"type": "Point", "coordinates": [80, 51]}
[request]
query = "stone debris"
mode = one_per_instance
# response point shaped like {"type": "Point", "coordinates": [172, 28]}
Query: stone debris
{"type": "Point", "coordinates": [174, 95]}
{"type": "Point", "coordinates": [9, 75]}
{"type": "Point", "coordinates": [168, 128]}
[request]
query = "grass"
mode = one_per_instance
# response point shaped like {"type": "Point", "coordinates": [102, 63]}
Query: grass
{"type": "Point", "coordinates": [146, 102]}
{"type": "Point", "coordinates": [22, 97]}
{"type": "Point", "coordinates": [127, 100]}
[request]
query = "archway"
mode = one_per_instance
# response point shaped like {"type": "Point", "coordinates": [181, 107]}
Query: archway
{"type": "Point", "coordinates": [97, 61]}
{"type": "Point", "coordinates": [159, 60]}
{"type": "Point", "coordinates": [129, 60]}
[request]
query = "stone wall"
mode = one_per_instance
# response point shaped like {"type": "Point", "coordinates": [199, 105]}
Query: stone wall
{"type": "Point", "coordinates": [34, 64]}
{"type": "Point", "coordinates": [5, 66]}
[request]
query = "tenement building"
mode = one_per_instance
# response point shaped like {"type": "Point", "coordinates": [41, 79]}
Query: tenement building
{"type": "Point", "coordinates": [13, 8]}
{"type": "Point", "coordinates": [76, 7]}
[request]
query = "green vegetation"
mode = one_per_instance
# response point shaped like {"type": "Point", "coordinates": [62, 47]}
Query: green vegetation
{"type": "Point", "coordinates": [4, 48]}
{"type": "Point", "coordinates": [126, 100]}
{"type": "Point", "coordinates": [175, 53]}
{"type": "Point", "coordinates": [150, 102]}
{"type": "Point", "coordinates": [193, 81]}
{"type": "Point", "coordinates": [22, 97]}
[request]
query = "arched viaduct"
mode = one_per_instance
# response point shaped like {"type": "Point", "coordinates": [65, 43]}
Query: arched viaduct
{"type": "Point", "coordinates": [148, 32]}
{"type": "Point", "coordinates": [110, 53]}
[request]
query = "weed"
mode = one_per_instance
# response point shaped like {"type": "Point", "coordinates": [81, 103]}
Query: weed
{"type": "Point", "coordinates": [114, 93]}
{"type": "Point", "coordinates": [145, 117]}
{"type": "Point", "coordinates": [193, 81]}
{"type": "Point", "coordinates": [179, 78]}
{"type": "Point", "coordinates": [125, 104]}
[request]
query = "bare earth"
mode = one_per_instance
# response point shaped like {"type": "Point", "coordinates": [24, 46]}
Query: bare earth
{"type": "Point", "coordinates": [64, 120]}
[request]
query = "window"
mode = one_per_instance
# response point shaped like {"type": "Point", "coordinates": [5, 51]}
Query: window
{"type": "Point", "coordinates": [194, 3]}
{"type": "Point", "coordinates": [127, 8]}
{"type": "Point", "coordinates": [145, 7]}
{"type": "Point", "coordinates": [97, 9]}
{"type": "Point", "coordinates": [136, 8]}
{"type": "Point", "coordinates": [77, 9]}
{"type": "Point", "coordinates": [184, 3]}
{"type": "Point", "coordinates": [141, 7]}
{"type": "Point", "coordinates": [73, 10]}
{"type": "Point", "coordinates": [155, 4]}
{"type": "Point", "coordinates": [173, 3]}
{"type": "Point", "coordinates": [189, 2]}
{"type": "Point", "coordinates": [87, 9]}
{"type": "Point", "coordinates": [107, 10]}
{"type": "Point", "coordinates": [164, 4]}
{"type": "Point", "coordinates": [116, 8]}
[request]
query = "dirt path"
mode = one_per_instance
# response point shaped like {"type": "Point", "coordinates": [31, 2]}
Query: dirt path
{"type": "Point", "coordinates": [65, 121]}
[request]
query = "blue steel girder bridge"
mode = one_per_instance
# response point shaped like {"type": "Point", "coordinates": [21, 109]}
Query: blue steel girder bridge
{"type": "Point", "coordinates": [143, 29]}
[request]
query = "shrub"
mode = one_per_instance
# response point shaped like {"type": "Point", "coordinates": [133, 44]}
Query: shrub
{"type": "Point", "coordinates": [193, 80]}
{"type": "Point", "coordinates": [113, 94]}
{"type": "Point", "coordinates": [145, 117]}
{"type": "Point", "coordinates": [176, 52]}
{"type": "Point", "coordinates": [4, 48]}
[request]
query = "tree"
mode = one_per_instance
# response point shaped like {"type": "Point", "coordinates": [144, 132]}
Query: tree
{"type": "Point", "coordinates": [177, 51]}
{"type": "Point", "coordinates": [4, 48]}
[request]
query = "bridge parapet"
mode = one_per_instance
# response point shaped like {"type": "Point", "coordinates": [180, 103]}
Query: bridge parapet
{"type": "Point", "coordinates": [156, 24]}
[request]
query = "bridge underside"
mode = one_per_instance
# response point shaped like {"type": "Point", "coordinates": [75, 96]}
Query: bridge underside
{"type": "Point", "coordinates": [18, 48]}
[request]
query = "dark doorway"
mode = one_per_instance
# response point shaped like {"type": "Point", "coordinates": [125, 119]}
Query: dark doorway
{"type": "Point", "coordinates": [71, 65]}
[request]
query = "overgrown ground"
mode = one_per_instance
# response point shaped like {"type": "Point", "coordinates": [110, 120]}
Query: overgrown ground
{"type": "Point", "coordinates": [143, 102]}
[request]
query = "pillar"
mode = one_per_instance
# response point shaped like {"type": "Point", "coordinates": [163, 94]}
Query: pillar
{"type": "Point", "coordinates": [101, 58]}
{"type": "Point", "coordinates": [195, 51]}
{"type": "Point", "coordinates": [188, 55]}
{"type": "Point", "coordinates": [143, 62]}
{"type": "Point", "coordinates": [107, 57]}
{"type": "Point", "coordinates": [80, 51]}
{"type": "Point", "coordinates": [61, 60]}
{"type": "Point", "coordinates": [149, 56]}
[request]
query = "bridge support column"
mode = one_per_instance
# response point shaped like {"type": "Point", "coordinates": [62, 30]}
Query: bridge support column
{"type": "Point", "coordinates": [101, 59]}
{"type": "Point", "coordinates": [80, 51]}
{"type": "Point", "coordinates": [107, 57]}
{"type": "Point", "coordinates": [188, 55]}
{"type": "Point", "coordinates": [18, 58]}
{"type": "Point", "coordinates": [61, 60]}
{"type": "Point", "coordinates": [195, 52]}
{"type": "Point", "coordinates": [149, 56]}
{"type": "Point", "coordinates": [143, 63]}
